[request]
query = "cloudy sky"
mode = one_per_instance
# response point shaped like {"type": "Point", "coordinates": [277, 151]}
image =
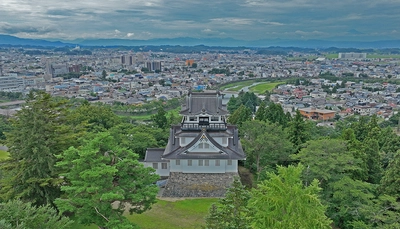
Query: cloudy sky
{"type": "Point", "coordinates": [240, 19]}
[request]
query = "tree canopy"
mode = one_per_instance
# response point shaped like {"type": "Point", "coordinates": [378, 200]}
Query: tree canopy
{"type": "Point", "coordinates": [104, 180]}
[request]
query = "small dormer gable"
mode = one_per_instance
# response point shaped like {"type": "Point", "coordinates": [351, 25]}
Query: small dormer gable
{"type": "Point", "coordinates": [203, 145]}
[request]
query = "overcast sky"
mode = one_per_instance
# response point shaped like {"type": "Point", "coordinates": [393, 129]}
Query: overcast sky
{"type": "Point", "coordinates": [240, 19]}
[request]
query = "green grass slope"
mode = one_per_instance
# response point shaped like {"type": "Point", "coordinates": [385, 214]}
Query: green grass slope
{"type": "Point", "coordinates": [185, 214]}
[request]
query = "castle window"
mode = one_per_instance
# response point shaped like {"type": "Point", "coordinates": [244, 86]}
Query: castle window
{"type": "Point", "coordinates": [200, 162]}
{"type": "Point", "coordinates": [183, 140]}
{"type": "Point", "coordinates": [204, 145]}
{"type": "Point", "coordinates": [215, 118]}
{"type": "Point", "coordinates": [192, 118]}
{"type": "Point", "coordinates": [177, 162]}
{"type": "Point", "coordinates": [229, 162]}
{"type": "Point", "coordinates": [155, 165]}
{"type": "Point", "coordinates": [217, 163]}
{"type": "Point", "coordinates": [224, 141]}
{"type": "Point", "coordinates": [207, 162]}
{"type": "Point", "coordinates": [163, 165]}
{"type": "Point", "coordinates": [189, 162]}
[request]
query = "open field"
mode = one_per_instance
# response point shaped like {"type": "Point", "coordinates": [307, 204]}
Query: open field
{"type": "Point", "coordinates": [187, 214]}
{"type": "Point", "coordinates": [3, 154]}
{"type": "Point", "coordinates": [263, 87]}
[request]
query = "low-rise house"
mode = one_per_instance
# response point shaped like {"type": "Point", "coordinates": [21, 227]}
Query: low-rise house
{"type": "Point", "coordinates": [317, 114]}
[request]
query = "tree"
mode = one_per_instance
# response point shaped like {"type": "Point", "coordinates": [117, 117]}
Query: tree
{"type": "Point", "coordinates": [373, 160]}
{"type": "Point", "coordinates": [348, 199]}
{"type": "Point", "coordinates": [390, 183]}
{"type": "Point", "coordinates": [298, 131]}
{"type": "Point", "coordinates": [5, 126]}
{"type": "Point", "coordinates": [284, 202]}
{"type": "Point", "coordinates": [241, 115]}
{"type": "Point", "coordinates": [230, 212]}
{"type": "Point", "coordinates": [260, 113]}
{"type": "Point", "coordinates": [104, 180]}
{"type": "Point", "coordinates": [266, 145]}
{"type": "Point", "coordinates": [135, 138]}
{"type": "Point", "coordinates": [327, 160]}
{"type": "Point", "coordinates": [94, 117]}
{"type": "Point", "coordinates": [160, 119]}
{"type": "Point", "coordinates": [39, 132]}
{"type": "Point", "coordinates": [19, 215]}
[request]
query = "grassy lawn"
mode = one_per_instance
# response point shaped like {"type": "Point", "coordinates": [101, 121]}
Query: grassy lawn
{"type": "Point", "coordinates": [263, 87]}
{"type": "Point", "coordinates": [187, 214]}
{"type": "Point", "coordinates": [3, 154]}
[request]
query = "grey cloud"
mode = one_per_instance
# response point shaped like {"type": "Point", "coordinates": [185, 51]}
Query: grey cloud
{"type": "Point", "coordinates": [15, 29]}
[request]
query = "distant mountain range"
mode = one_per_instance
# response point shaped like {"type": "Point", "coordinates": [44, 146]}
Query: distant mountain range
{"type": "Point", "coordinates": [187, 41]}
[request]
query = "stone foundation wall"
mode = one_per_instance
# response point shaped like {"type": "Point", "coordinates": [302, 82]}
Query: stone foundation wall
{"type": "Point", "coordinates": [198, 184]}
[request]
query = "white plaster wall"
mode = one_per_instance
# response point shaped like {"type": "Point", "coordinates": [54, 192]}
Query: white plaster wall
{"type": "Point", "coordinates": [159, 171]}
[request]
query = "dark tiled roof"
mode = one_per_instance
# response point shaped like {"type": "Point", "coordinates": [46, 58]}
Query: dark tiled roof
{"type": "Point", "coordinates": [234, 149]}
{"type": "Point", "coordinates": [154, 155]}
{"type": "Point", "coordinates": [204, 102]}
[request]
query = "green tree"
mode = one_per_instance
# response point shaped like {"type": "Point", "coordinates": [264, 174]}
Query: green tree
{"type": "Point", "coordinates": [94, 117]}
{"type": "Point", "coordinates": [266, 145]}
{"type": "Point", "coordinates": [327, 160]}
{"type": "Point", "coordinates": [298, 131]}
{"type": "Point", "coordinates": [373, 160]}
{"type": "Point", "coordinates": [135, 138]}
{"type": "Point", "coordinates": [5, 126]}
{"type": "Point", "coordinates": [274, 113]}
{"type": "Point", "coordinates": [38, 134]}
{"type": "Point", "coordinates": [260, 113]}
{"type": "Point", "coordinates": [390, 183]}
{"type": "Point", "coordinates": [230, 212]}
{"type": "Point", "coordinates": [160, 119]}
{"type": "Point", "coordinates": [19, 215]}
{"type": "Point", "coordinates": [103, 181]}
{"type": "Point", "coordinates": [348, 199]}
{"type": "Point", "coordinates": [284, 202]}
{"type": "Point", "coordinates": [241, 115]}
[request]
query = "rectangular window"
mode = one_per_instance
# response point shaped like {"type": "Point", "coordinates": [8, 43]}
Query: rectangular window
{"type": "Point", "coordinates": [206, 145]}
{"type": "Point", "coordinates": [192, 118]}
{"type": "Point", "coordinates": [215, 118]}
{"type": "Point", "coordinates": [201, 145]}
{"type": "Point", "coordinates": [217, 163]}
{"type": "Point", "coordinates": [200, 162]}
{"type": "Point", "coordinates": [189, 162]}
{"type": "Point", "coordinates": [224, 141]}
{"type": "Point", "coordinates": [155, 165]}
{"type": "Point", "coordinates": [229, 162]}
{"type": "Point", "coordinates": [163, 165]}
{"type": "Point", "coordinates": [207, 162]}
{"type": "Point", "coordinates": [183, 140]}
{"type": "Point", "coordinates": [177, 162]}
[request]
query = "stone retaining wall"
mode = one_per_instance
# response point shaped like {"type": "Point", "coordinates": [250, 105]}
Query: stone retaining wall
{"type": "Point", "coordinates": [198, 184]}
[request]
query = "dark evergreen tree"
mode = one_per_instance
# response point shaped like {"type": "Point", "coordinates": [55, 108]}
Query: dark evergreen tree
{"type": "Point", "coordinates": [39, 133]}
{"type": "Point", "coordinates": [241, 115]}
{"type": "Point", "coordinates": [160, 119]}
{"type": "Point", "coordinates": [298, 131]}
{"type": "Point", "coordinates": [230, 212]}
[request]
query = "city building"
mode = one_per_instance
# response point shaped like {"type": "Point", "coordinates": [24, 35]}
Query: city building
{"type": "Point", "coordinates": [352, 55]}
{"type": "Point", "coordinates": [317, 114]}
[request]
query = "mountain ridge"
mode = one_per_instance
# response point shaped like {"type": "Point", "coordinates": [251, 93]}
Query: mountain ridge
{"type": "Point", "coordinates": [188, 41]}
